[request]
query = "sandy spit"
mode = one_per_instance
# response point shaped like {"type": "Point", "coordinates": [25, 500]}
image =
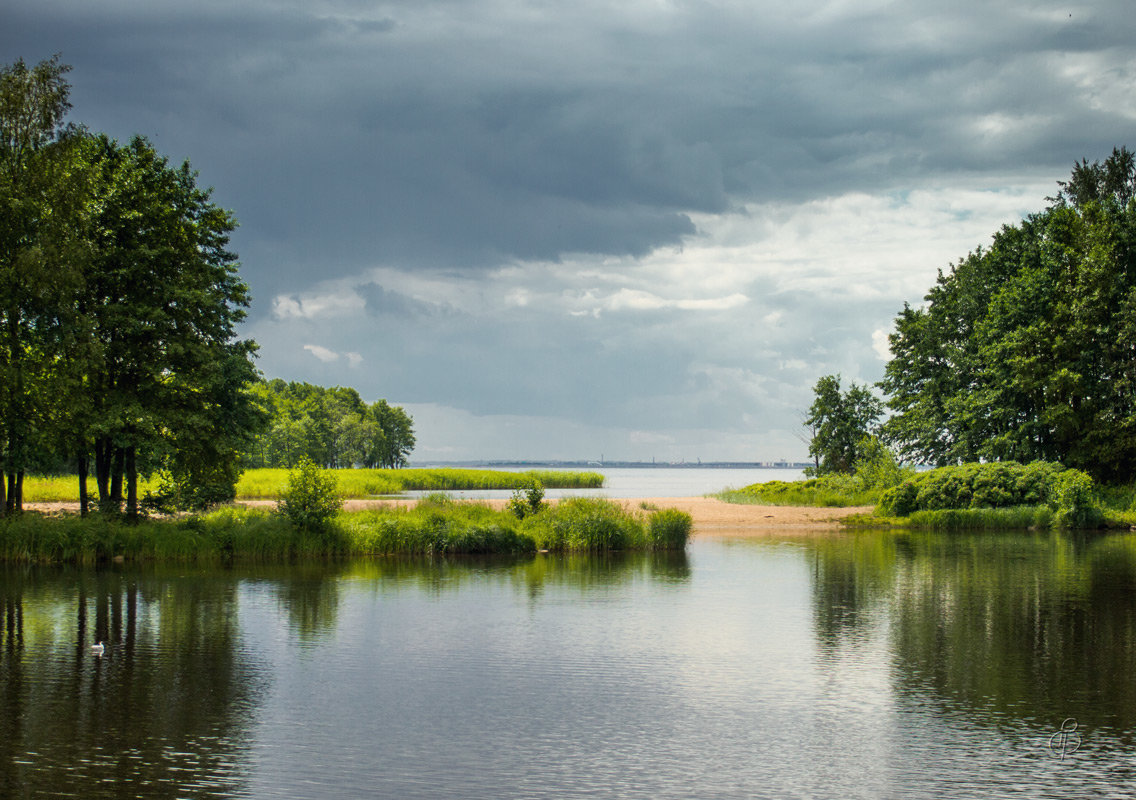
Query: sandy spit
{"type": "Point", "coordinates": [712, 517]}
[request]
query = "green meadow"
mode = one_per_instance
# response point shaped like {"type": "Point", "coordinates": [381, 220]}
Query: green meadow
{"type": "Point", "coordinates": [269, 484]}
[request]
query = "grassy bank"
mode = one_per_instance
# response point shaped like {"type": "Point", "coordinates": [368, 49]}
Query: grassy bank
{"type": "Point", "coordinates": [833, 491]}
{"type": "Point", "coordinates": [434, 526]}
{"type": "Point", "coordinates": [269, 483]}
{"type": "Point", "coordinates": [987, 496]}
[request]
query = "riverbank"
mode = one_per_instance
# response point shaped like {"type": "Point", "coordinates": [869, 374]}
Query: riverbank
{"type": "Point", "coordinates": [712, 517]}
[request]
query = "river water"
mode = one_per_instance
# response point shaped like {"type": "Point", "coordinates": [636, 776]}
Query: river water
{"type": "Point", "coordinates": [841, 665]}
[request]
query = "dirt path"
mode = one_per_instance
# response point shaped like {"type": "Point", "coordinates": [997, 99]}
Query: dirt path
{"type": "Point", "coordinates": [712, 517]}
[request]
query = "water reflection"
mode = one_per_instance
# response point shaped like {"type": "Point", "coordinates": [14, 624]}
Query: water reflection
{"type": "Point", "coordinates": [166, 705]}
{"type": "Point", "coordinates": [866, 664]}
{"type": "Point", "coordinates": [1009, 628]}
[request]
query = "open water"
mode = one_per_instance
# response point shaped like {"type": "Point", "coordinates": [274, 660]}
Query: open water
{"type": "Point", "coordinates": [862, 665]}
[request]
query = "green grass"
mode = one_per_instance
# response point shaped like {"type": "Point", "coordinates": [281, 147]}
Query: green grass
{"type": "Point", "coordinates": [270, 483]}
{"type": "Point", "coordinates": [434, 526]}
{"type": "Point", "coordinates": [833, 491]}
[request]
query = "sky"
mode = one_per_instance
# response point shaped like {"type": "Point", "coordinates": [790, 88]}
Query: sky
{"type": "Point", "coordinates": [563, 229]}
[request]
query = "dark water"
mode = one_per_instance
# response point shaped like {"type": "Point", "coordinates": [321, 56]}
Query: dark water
{"type": "Point", "coordinates": [845, 666]}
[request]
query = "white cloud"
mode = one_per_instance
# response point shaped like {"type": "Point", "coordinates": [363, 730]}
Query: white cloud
{"type": "Point", "coordinates": [322, 353]}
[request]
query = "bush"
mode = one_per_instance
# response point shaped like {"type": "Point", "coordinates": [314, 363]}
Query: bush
{"type": "Point", "coordinates": [527, 499]}
{"type": "Point", "coordinates": [876, 466]}
{"type": "Point", "coordinates": [998, 485]}
{"type": "Point", "coordinates": [310, 500]}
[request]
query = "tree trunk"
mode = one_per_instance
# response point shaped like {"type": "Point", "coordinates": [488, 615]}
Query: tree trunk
{"type": "Point", "coordinates": [3, 496]}
{"type": "Point", "coordinates": [116, 477]}
{"type": "Point", "coordinates": [17, 498]}
{"type": "Point", "coordinates": [131, 485]}
{"type": "Point", "coordinates": [83, 499]}
{"type": "Point", "coordinates": [102, 470]}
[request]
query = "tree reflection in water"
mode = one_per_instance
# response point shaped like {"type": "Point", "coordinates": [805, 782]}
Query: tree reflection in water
{"type": "Point", "coordinates": [1010, 627]}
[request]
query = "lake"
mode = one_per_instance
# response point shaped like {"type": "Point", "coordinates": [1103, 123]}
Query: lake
{"type": "Point", "coordinates": [846, 665]}
{"type": "Point", "coordinates": [634, 482]}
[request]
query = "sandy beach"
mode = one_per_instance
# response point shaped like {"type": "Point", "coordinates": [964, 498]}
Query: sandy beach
{"type": "Point", "coordinates": [712, 517]}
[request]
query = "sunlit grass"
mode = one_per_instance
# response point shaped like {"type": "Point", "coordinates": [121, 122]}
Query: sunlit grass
{"type": "Point", "coordinates": [836, 491]}
{"type": "Point", "coordinates": [434, 526]}
{"type": "Point", "coordinates": [270, 483]}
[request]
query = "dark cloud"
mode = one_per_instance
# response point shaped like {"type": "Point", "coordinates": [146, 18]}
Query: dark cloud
{"type": "Point", "coordinates": [467, 134]}
{"type": "Point", "coordinates": [461, 137]}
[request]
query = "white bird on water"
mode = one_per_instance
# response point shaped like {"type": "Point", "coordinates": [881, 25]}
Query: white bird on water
{"type": "Point", "coordinates": [97, 649]}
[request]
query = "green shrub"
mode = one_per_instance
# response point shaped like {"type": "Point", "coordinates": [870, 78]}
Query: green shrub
{"type": "Point", "coordinates": [527, 499]}
{"type": "Point", "coordinates": [998, 485]}
{"type": "Point", "coordinates": [875, 465]}
{"type": "Point", "coordinates": [310, 500]}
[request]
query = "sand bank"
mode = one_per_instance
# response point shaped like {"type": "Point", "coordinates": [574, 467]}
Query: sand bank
{"type": "Point", "coordinates": [712, 517]}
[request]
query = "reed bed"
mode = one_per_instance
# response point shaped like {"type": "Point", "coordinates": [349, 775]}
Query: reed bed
{"type": "Point", "coordinates": [835, 491]}
{"type": "Point", "coordinates": [270, 483]}
{"type": "Point", "coordinates": [434, 526]}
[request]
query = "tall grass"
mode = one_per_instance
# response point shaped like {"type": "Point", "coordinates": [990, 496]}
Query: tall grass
{"type": "Point", "coordinates": [271, 483]}
{"type": "Point", "coordinates": [434, 526]}
{"type": "Point", "coordinates": [832, 491]}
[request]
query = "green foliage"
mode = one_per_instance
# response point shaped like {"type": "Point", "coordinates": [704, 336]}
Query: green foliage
{"type": "Point", "coordinates": [310, 502]}
{"type": "Point", "coordinates": [271, 483]}
{"type": "Point", "coordinates": [586, 524]}
{"type": "Point", "coordinates": [119, 302]}
{"type": "Point", "coordinates": [828, 491]}
{"type": "Point", "coordinates": [838, 422]}
{"type": "Point", "coordinates": [1023, 351]}
{"type": "Point", "coordinates": [875, 465]}
{"type": "Point", "coordinates": [436, 525]}
{"type": "Point", "coordinates": [1067, 492]}
{"type": "Point", "coordinates": [527, 499]}
{"type": "Point", "coordinates": [332, 427]}
{"type": "Point", "coordinates": [669, 529]}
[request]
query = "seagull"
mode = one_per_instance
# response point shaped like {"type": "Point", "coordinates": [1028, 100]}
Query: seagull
{"type": "Point", "coordinates": [97, 649]}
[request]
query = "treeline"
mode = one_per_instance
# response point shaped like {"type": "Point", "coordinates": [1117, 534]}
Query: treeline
{"type": "Point", "coordinates": [1024, 351]}
{"type": "Point", "coordinates": [119, 301]}
{"type": "Point", "coordinates": [330, 427]}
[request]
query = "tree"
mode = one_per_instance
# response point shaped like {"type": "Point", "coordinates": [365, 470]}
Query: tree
{"type": "Point", "coordinates": [166, 381]}
{"type": "Point", "coordinates": [1027, 350]}
{"type": "Point", "coordinates": [40, 217]}
{"type": "Point", "coordinates": [119, 302]}
{"type": "Point", "coordinates": [840, 421]}
{"type": "Point", "coordinates": [332, 427]}
{"type": "Point", "coordinates": [397, 439]}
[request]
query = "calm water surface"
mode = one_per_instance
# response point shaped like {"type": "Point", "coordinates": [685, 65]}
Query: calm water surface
{"type": "Point", "coordinates": [845, 666]}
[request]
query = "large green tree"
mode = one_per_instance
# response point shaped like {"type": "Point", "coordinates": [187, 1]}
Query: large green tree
{"type": "Point", "coordinates": [41, 246]}
{"type": "Point", "coordinates": [839, 421]}
{"type": "Point", "coordinates": [1027, 349]}
{"type": "Point", "coordinates": [119, 301]}
{"type": "Point", "coordinates": [166, 377]}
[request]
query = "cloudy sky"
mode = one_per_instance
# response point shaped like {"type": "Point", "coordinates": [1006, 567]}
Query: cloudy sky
{"type": "Point", "coordinates": [566, 229]}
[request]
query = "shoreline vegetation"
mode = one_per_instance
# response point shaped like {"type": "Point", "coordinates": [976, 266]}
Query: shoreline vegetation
{"type": "Point", "coordinates": [270, 483]}
{"type": "Point", "coordinates": [1002, 495]}
{"type": "Point", "coordinates": [309, 522]}
{"type": "Point", "coordinates": [435, 525]}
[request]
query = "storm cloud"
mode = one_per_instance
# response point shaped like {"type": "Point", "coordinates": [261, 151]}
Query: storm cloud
{"type": "Point", "coordinates": [653, 224]}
